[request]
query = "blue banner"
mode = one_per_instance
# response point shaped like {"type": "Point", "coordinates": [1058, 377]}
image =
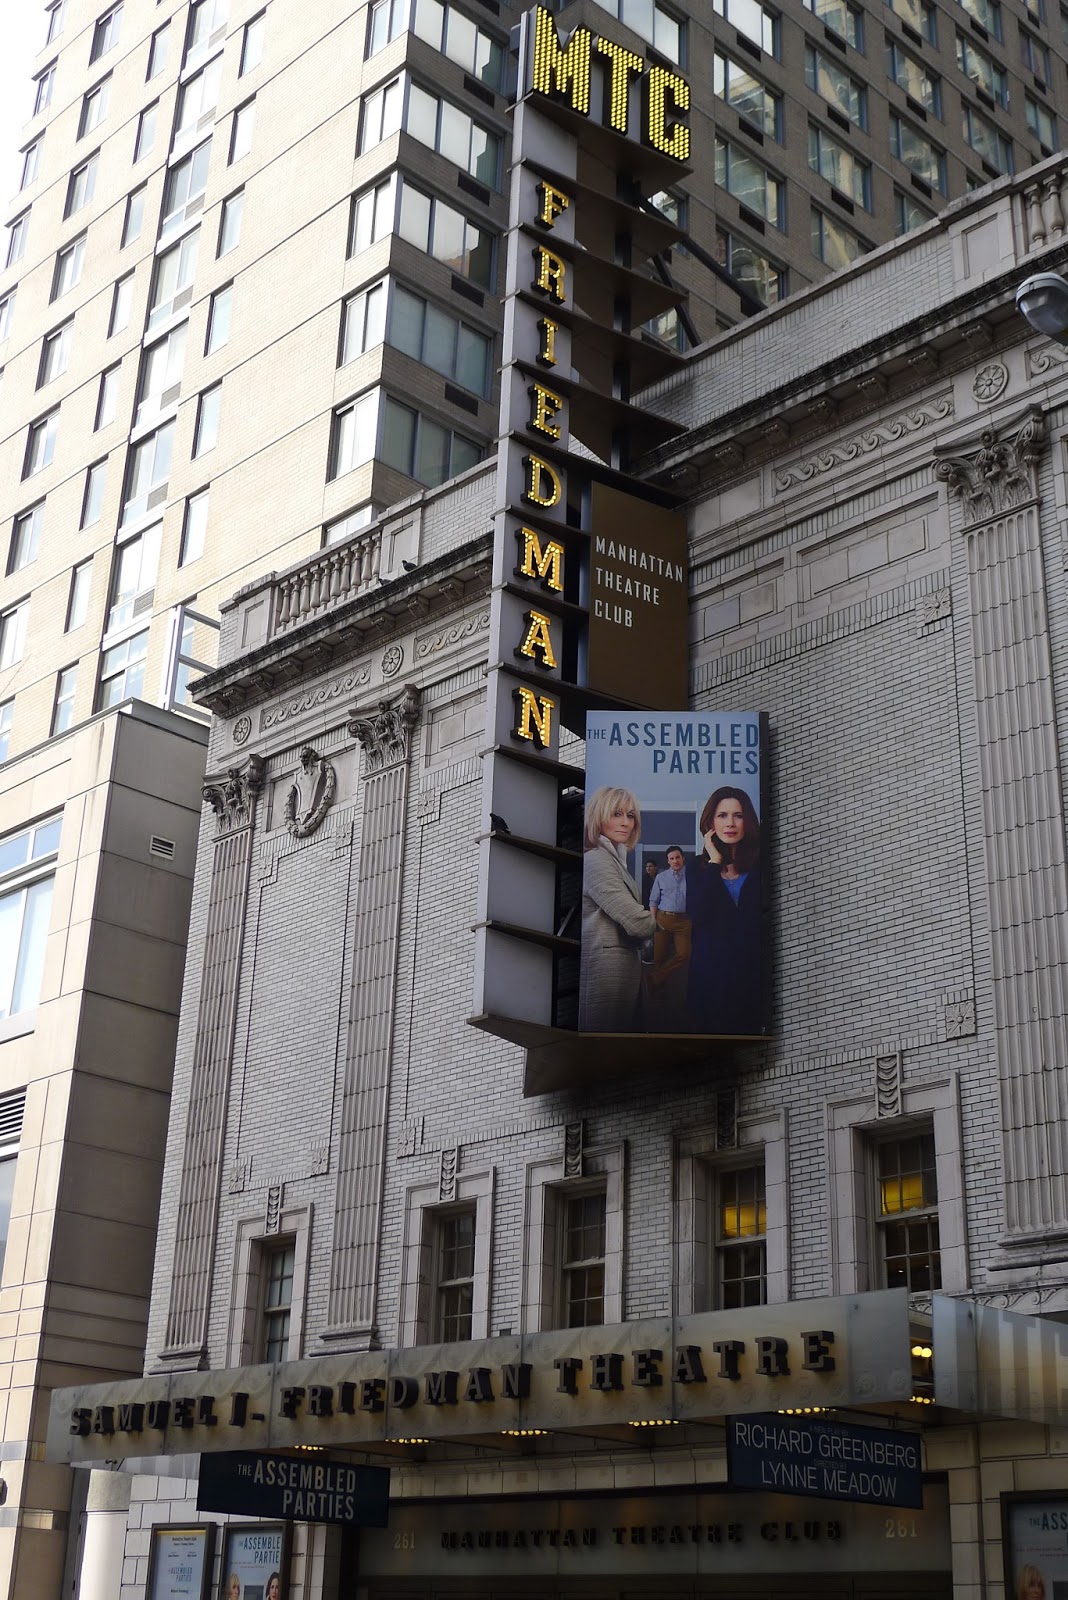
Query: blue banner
{"type": "Point", "coordinates": [830, 1460]}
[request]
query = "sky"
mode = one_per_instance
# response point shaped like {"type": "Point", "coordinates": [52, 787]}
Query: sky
{"type": "Point", "coordinates": [24, 33]}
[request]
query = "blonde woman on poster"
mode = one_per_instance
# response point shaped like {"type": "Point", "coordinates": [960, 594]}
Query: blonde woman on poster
{"type": "Point", "coordinates": [1030, 1584]}
{"type": "Point", "coordinates": [614, 921]}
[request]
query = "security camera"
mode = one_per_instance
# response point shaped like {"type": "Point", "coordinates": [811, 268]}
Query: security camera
{"type": "Point", "coordinates": [1043, 302]}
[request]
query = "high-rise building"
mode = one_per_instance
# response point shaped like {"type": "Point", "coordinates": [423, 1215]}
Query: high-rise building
{"type": "Point", "coordinates": [248, 296]}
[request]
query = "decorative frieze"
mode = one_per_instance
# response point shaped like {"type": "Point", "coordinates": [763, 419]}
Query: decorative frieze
{"type": "Point", "coordinates": [574, 1143]}
{"type": "Point", "coordinates": [450, 1163]}
{"type": "Point", "coordinates": [888, 1085]}
{"type": "Point", "coordinates": [470, 627]}
{"type": "Point", "coordinates": [338, 688]}
{"type": "Point", "coordinates": [863, 443]}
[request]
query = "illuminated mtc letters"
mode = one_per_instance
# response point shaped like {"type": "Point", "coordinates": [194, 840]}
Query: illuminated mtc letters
{"type": "Point", "coordinates": [664, 88]}
{"type": "Point", "coordinates": [547, 342]}
{"type": "Point", "coordinates": [544, 405]}
{"type": "Point", "coordinates": [540, 561]}
{"type": "Point", "coordinates": [533, 717]}
{"type": "Point", "coordinates": [625, 65]}
{"type": "Point", "coordinates": [537, 642]}
{"type": "Point", "coordinates": [543, 486]}
{"type": "Point", "coordinates": [554, 202]}
{"type": "Point", "coordinates": [562, 74]}
{"type": "Point", "coordinates": [550, 273]}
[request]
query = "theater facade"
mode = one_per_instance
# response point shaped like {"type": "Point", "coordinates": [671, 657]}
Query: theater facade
{"type": "Point", "coordinates": [781, 1315]}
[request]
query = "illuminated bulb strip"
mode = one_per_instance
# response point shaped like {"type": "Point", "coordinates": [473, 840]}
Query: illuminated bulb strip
{"type": "Point", "coordinates": [923, 1352]}
{"type": "Point", "coordinates": [658, 1422]}
{"type": "Point", "coordinates": [407, 1441]}
{"type": "Point", "coordinates": [803, 1411]}
{"type": "Point", "coordinates": [524, 1433]}
{"type": "Point", "coordinates": [922, 1399]}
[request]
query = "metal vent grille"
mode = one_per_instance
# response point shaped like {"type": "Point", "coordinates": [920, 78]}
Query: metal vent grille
{"type": "Point", "coordinates": [163, 848]}
{"type": "Point", "coordinates": [11, 1109]}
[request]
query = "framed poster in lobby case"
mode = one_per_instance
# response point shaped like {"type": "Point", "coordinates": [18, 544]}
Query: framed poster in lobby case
{"type": "Point", "coordinates": [179, 1562]}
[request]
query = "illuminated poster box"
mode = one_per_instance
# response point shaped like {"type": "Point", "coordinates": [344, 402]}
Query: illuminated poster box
{"type": "Point", "coordinates": [674, 875]}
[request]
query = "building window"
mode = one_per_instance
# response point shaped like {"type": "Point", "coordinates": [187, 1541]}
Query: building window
{"type": "Point", "coordinates": [25, 537]}
{"type": "Point", "coordinates": [906, 1213]}
{"type": "Point", "coordinates": [918, 15]}
{"type": "Point", "coordinates": [454, 1276]}
{"type": "Point", "coordinates": [7, 717]}
{"type": "Point", "coordinates": [93, 496]}
{"type": "Point", "coordinates": [68, 271]}
{"type": "Point", "coordinates": [134, 217]}
{"type": "Point", "coordinates": [107, 400]}
{"type": "Point", "coordinates": [13, 633]}
{"type": "Point", "coordinates": [751, 99]}
{"type": "Point", "coordinates": [194, 528]}
{"type": "Point", "coordinates": [983, 70]}
{"type": "Point", "coordinates": [750, 268]}
{"type": "Point", "coordinates": [134, 579]}
{"type": "Point", "coordinates": [455, 36]}
{"type": "Point", "coordinates": [230, 223]}
{"type": "Point", "coordinates": [1042, 123]}
{"type": "Point", "coordinates": [1034, 55]}
{"type": "Point", "coordinates": [78, 600]}
{"type": "Point", "coordinates": [31, 164]}
{"type": "Point", "coordinates": [197, 99]}
{"type": "Point", "coordinates": [207, 26]}
{"type": "Point", "coordinates": [372, 215]}
{"type": "Point", "coordinates": [909, 212]}
{"type": "Point", "coordinates": [172, 279]}
{"type": "Point", "coordinates": [447, 235]}
{"type": "Point", "coordinates": [354, 432]}
{"type": "Point", "coordinates": [81, 185]}
{"type": "Point", "coordinates": [122, 672]}
{"type": "Point", "coordinates": [749, 182]}
{"type": "Point", "coordinates": [94, 107]}
{"type": "Point", "coordinates": [7, 312]}
{"type": "Point", "coordinates": [219, 319]}
{"type": "Point", "coordinates": [422, 448]}
{"type": "Point", "coordinates": [380, 114]}
{"type": "Point", "coordinates": [582, 1259]}
{"type": "Point", "coordinates": [363, 322]}
{"type": "Point", "coordinates": [16, 238]}
{"type": "Point", "coordinates": [825, 77]}
{"type": "Point", "coordinates": [27, 870]}
{"type": "Point", "coordinates": [388, 19]}
{"type": "Point", "coordinates": [667, 327]}
{"type": "Point", "coordinates": [842, 19]}
{"type": "Point", "coordinates": [46, 82]}
{"type": "Point", "coordinates": [987, 140]}
{"type": "Point", "coordinates": [987, 13]}
{"type": "Point", "coordinates": [443, 127]}
{"type": "Point", "coordinates": [55, 13]}
{"type": "Point", "coordinates": [756, 22]}
{"type": "Point", "coordinates": [741, 1262]}
{"type": "Point", "coordinates": [121, 305]}
{"type": "Point", "coordinates": [158, 51]}
{"type": "Point", "coordinates": [276, 1275]}
{"type": "Point", "coordinates": [161, 375]}
{"type": "Point", "coordinates": [148, 469]}
{"type": "Point", "coordinates": [439, 340]}
{"type": "Point", "coordinates": [146, 131]}
{"type": "Point", "coordinates": [832, 242]}
{"type": "Point", "coordinates": [844, 171]}
{"type": "Point", "coordinates": [241, 132]}
{"type": "Point", "coordinates": [913, 78]}
{"type": "Point", "coordinates": [343, 528]}
{"type": "Point", "coordinates": [55, 354]}
{"type": "Point", "coordinates": [252, 43]}
{"type": "Point", "coordinates": [918, 153]}
{"type": "Point", "coordinates": [63, 707]}
{"type": "Point", "coordinates": [206, 432]}
{"type": "Point", "coordinates": [183, 192]}
{"type": "Point", "coordinates": [106, 33]}
{"type": "Point", "coordinates": [40, 444]}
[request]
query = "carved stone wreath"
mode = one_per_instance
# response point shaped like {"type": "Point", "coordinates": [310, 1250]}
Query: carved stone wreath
{"type": "Point", "coordinates": [990, 381]}
{"type": "Point", "coordinates": [311, 793]}
{"type": "Point", "coordinates": [241, 729]}
{"type": "Point", "coordinates": [392, 661]}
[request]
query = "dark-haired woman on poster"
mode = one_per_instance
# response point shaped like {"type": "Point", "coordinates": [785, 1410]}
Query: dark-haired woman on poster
{"type": "Point", "coordinates": [723, 903]}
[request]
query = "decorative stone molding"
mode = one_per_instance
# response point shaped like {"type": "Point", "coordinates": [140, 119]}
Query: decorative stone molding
{"type": "Point", "coordinates": [232, 796]}
{"type": "Point", "coordinates": [1045, 360]}
{"type": "Point", "coordinates": [450, 1163]}
{"type": "Point", "coordinates": [960, 1019]}
{"type": "Point", "coordinates": [386, 734]}
{"type": "Point", "coordinates": [727, 1119]}
{"type": "Point", "coordinates": [242, 729]}
{"type": "Point", "coordinates": [466, 628]}
{"type": "Point", "coordinates": [392, 660]}
{"type": "Point", "coordinates": [933, 608]}
{"type": "Point", "coordinates": [888, 1085]}
{"type": "Point", "coordinates": [862, 444]}
{"type": "Point", "coordinates": [999, 475]}
{"type": "Point", "coordinates": [240, 1176]}
{"type": "Point", "coordinates": [276, 1199]}
{"type": "Point", "coordinates": [358, 678]}
{"type": "Point", "coordinates": [991, 381]}
{"type": "Point", "coordinates": [428, 806]}
{"type": "Point", "coordinates": [320, 1159]}
{"type": "Point", "coordinates": [410, 1138]}
{"type": "Point", "coordinates": [311, 793]}
{"type": "Point", "coordinates": [574, 1147]}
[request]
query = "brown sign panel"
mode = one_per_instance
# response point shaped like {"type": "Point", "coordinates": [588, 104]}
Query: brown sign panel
{"type": "Point", "coordinates": [639, 622]}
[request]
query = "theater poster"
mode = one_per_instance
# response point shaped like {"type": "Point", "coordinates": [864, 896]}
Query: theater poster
{"type": "Point", "coordinates": [674, 875]}
{"type": "Point", "coordinates": [254, 1562]}
{"type": "Point", "coordinates": [1036, 1546]}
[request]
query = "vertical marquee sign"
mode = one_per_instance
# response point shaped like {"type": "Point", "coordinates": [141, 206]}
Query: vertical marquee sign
{"type": "Point", "coordinates": [589, 587]}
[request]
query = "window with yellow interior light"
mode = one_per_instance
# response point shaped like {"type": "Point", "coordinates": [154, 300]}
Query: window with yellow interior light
{"type": "Point", "coordinates": [907, 1212]}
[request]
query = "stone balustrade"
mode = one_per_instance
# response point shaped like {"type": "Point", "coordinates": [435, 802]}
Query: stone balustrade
{"type": "Point", "coordinates": [337, 575]}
